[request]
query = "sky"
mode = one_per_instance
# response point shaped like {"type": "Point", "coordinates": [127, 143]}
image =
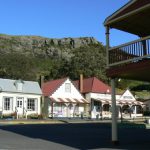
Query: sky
{"type": "Point", "coordinates": [61, 18]}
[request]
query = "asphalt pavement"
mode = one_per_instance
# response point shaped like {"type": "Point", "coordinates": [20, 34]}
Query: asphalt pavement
{"type": "Point", "coordinates": [71, 136]}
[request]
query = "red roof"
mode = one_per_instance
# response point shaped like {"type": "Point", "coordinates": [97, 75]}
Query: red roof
{"type": "Point", "coordinates": [48, 88]}
{"type": "Point", "coordinates": [93, 85]}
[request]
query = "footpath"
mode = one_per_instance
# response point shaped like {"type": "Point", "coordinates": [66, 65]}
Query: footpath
{"type": "Point", "coordinates": [145, 121]}
{"type": "Point", "coordinates": [49, 121]}
{"type": "Point", "coordinates": [28, 121]}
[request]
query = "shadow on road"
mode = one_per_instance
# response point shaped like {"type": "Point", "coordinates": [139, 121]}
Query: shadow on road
{"type": "Point", "coordinates": [85, 136]}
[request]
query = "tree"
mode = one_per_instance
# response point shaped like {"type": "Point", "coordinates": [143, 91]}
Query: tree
{"type": "Point", "coordinates": [89, 60]}
{"type": "Point", "coordinates": [17, 66]}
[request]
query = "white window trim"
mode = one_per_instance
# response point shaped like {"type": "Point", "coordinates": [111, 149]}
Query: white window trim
{"type": "Point", "coordinates": [11, 103]}
{"type": "Point", "coordinates": [35, 104]}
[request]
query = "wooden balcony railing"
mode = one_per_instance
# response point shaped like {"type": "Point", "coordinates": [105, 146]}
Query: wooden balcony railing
{"type": "Point", "coordinates": [130, 52]}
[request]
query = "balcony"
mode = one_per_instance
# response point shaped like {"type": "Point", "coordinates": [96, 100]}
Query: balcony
{"type": "Point", "coordinates": [130, 60]}
{"type": "Point", "coordinates": [131, 52]}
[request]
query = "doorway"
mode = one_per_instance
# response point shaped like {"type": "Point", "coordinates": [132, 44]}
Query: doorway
{"type": "Point", "coordinates": [20, 105]}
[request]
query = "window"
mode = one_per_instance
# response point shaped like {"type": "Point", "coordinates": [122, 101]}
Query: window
{"type": "Point", "coordinates": [57, 108]}
{"type": "Point", "coordinates": [31, 104]}
{"type": "Point", "coordinates": [97, 105]}
{"type": "Point", "coordinates": [76, 109]}
{"type": "Point", "coordinates": [7, 103]}
{"type": "Point", "coordinates": [67, 87]}
{"type": "Point", "coordinates": [106, 107]}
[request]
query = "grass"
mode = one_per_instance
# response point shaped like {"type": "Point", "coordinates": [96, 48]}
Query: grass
{"type": "Point", "coordinates": [132, 125]}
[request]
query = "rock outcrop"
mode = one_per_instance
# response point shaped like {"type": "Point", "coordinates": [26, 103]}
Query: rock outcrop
{"type": "Point", "coordinates": [42, 47]}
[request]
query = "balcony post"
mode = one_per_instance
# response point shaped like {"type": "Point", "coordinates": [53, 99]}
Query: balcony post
{"type": "Point", "coordinates": [144, 47]}
{"type": "Point", "coordinates": [107, 45]}
{"type": "Point", "coordinates": [114, 113]}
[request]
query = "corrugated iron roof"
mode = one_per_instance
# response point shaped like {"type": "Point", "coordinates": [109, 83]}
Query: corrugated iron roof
{"type": "Point", "coordinates": [30, 87]}
{"type": "Point", "coordinates": [93, 85]}
{"type": "Point", "coordinates": [49, 87]}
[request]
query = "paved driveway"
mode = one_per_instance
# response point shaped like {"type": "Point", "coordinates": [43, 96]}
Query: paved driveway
{"type": "Point", "coordinates": [71, 136]}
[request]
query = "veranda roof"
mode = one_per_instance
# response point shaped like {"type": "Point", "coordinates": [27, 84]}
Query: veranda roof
{"type": "Point", "coordinates": [125, 102]}
{"type": "Point", "coordinates": [104, 101]}
{"type": "Point", "coordinates": [68, 100]}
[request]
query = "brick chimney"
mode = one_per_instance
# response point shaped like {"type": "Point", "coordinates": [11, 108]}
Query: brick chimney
{"type": "Point", "coordinates": [81, 83]}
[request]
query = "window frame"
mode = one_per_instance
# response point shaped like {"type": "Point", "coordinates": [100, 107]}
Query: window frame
{"type": "Point", "coordinates": [5, 104]}
{"type": "Point", "coordinates": [68, 87]}
{"type": "Point", "coordinates": [32, 104]}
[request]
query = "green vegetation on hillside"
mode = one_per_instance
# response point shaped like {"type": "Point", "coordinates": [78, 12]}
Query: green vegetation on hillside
{"type": "Point", "coordinates": [88, 60]}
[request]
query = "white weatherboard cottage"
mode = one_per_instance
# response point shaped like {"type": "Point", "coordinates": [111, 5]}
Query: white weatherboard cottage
{"type": "Point", "coordinates": [20, 97]}
{"type": "Point", "coordinates": [63, 99]}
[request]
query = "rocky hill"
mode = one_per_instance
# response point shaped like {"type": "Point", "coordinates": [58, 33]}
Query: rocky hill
{"type": "Point", "coordinates": [37, 46]}
{"type": "Point", "coordinates": [29, 57]}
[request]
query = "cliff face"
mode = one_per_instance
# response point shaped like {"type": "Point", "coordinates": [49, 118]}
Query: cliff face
{"type": "Point", "coordinates": [42, 47]}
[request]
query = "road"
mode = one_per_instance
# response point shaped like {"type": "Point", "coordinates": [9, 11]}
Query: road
{"type": "Point", "coordinates": [70, 137]}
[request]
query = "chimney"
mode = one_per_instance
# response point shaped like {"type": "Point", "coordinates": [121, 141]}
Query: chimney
{"type": "Point", "coordinates": [42, 97]}
{"type": "Point", "coordinates": [41, 80]}
{"type": "Point", "coordinates": [81, 83]}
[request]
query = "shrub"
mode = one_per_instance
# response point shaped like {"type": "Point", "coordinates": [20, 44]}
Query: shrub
{"type": "Point", "coordinates": [7, 116]}
{"type": "Point", "coordinates": [41, 116]}
{"type": "Point", "coordinates": [33, 116]}
{"type": "Point", "coordinates": [146, 113]}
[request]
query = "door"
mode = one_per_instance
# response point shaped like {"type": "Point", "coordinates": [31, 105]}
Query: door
{"type": "Point", "coordinates": [20, 105]}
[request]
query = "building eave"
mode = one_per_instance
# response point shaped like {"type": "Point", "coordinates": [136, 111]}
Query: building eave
{"type": "Point", "coordinates": [106, 22]}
